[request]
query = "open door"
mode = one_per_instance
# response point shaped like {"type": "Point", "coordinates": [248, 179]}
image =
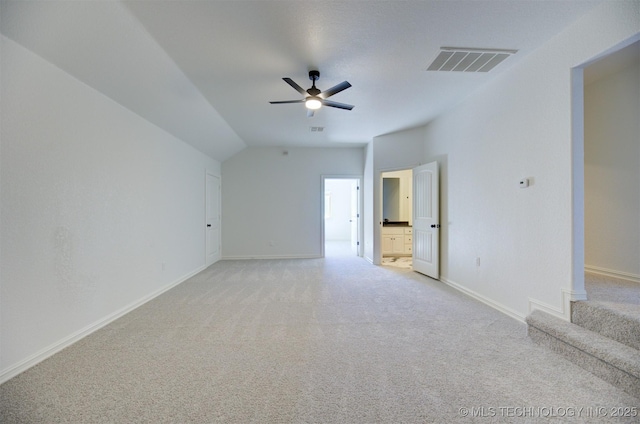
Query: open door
{"type": "Point", "coordinates": [426, 217]}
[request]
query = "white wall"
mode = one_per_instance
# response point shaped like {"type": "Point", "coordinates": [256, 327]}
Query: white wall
{"type": "Point", "coordinates": [271, 202]}
{"type": "Point", "coordinates": [94, 201]}
{"type": "Point", "coordinates": [612, 173]}
{"type": "Point", "coordinates": [338, 226]}
{"type": "Point", "coordinates": [519, 126]}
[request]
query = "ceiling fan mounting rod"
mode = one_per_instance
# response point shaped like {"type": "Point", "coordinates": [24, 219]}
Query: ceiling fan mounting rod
{"type": "Point", "coordinates": [314, 75]}
{"type": "Point", "coordinates": [313, 91]}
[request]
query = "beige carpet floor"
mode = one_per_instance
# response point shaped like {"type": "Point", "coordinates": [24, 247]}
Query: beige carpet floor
{"type": "Point", "coordinates": [609, 289]}
{"type": "Point", "coordinates": [333, 340]}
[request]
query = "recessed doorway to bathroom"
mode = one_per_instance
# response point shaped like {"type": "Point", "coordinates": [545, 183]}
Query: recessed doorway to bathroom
{"type": "Point", "coordinates": [341, 222]}
{"type": "Point", "coordinates": [397, 230]}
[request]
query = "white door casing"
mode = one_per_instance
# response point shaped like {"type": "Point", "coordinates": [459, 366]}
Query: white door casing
{"type": "Point", "coordinates": [426, 216]}
{"type": "Point", "coordinates": [355, 216]}
{"type": "Point", "coordinates": [212, 188]}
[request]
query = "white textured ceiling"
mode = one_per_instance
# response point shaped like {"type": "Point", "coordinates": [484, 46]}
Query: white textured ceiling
{"type": "Point", "coordinates": [206, 70]}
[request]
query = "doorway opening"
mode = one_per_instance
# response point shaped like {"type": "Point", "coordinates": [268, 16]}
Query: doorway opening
{"type": "Point", "coordinates": [341, 223]}
{"type": "Point", "coordinates": [612, 176]}
{"type": "Point", "coordinates": [416, 232]}
{"type": "Point", "coordinates": [397, 218]}
{"type": "Point", "coordinates": [580, 227]}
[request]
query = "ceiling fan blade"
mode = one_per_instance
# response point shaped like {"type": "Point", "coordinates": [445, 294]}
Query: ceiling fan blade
{"type": "Point", "coordinates": [296, 87]}
{"type": "Point", "coordinates": [335, 89]}
{"type": "Point", "coordinates": [287, 101]}
{"type": "Point", "coordinates": [336, 104]}
{"type": "Point", "coordinates": [309, 113]}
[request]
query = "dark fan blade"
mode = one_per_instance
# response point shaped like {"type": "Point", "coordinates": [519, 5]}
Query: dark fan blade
{"type": "Point", "coordinates": [336, 104]}
{"type": "Point", "coordinates": [335, 89]}
{"type": "Point", "coordinates": [295, 86]}
{"type": "Point", "coordinates": [287, 101]}
{"type": "Point", "coordinates": [309, 113]}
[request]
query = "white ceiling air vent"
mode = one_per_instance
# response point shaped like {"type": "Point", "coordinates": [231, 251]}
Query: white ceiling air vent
{"type": "Point", "coordinates": [464, 59]}
{"type": "Point", "coordinates": [316, 129]}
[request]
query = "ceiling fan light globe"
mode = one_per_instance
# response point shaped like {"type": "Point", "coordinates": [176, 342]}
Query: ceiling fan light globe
{"type": "Point", "coordinates": [313, 103]}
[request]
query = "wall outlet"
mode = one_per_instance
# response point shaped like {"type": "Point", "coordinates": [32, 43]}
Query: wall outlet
{"type": "Point", "coordinates": [271, 243]}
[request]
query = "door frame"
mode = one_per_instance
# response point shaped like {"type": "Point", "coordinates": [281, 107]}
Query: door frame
{"type": "Point", "coordinates": [377, 209]}
{"type": "Point", "coordinates": [577, 291]}
{"type": "Point", "coordinates": [360, 223]}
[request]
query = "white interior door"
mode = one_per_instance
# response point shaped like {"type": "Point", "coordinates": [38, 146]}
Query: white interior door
{"type": "Point", "coordinates": [354, 218]}
{"type": "Point", "coordinates": [426, 220]}
{"type": "Point", "coordinates": [212, 218]}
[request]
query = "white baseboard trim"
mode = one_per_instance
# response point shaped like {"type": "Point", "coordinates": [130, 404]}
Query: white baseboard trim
{"type": "Point", "coordinates": [243, 258]}
{"type": "Point", "coordinates": [495, 305]}
{"type": "Point", "coordinates": [563, 312]}
{"type": "Point", "coordinates": [56, 347]}
{"type": "Point", "coordinates": [627, 276]}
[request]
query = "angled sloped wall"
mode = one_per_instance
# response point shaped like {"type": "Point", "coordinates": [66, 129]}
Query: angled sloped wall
{"type": "Point", "coordinates": [100, 209]}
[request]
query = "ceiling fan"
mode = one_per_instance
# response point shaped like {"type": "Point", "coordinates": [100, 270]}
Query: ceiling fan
{"type": "Point", "coordinates": [314, 98]}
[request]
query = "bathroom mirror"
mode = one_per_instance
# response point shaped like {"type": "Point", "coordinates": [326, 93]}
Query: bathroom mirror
{"type": "Point", "coordinates": [391, 199]}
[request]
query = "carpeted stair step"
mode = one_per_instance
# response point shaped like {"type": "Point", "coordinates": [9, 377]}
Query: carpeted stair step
{"type": "Point", "coordinates": [608, 359]}
{"type": "Point", "coordinates": [617, 321]}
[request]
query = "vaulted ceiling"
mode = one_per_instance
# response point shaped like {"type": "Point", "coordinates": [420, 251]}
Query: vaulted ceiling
{"type": "Point", "coordinates": [205, 71]}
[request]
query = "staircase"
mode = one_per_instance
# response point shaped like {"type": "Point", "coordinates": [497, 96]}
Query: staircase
{"type": "Point", "coordinates": [603, 337]}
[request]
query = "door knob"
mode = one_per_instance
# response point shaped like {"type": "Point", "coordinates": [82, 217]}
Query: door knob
{"type": "Point", "coordinates": [435, 225]}
{"type": "Point", "coordinates": [208, 225]}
